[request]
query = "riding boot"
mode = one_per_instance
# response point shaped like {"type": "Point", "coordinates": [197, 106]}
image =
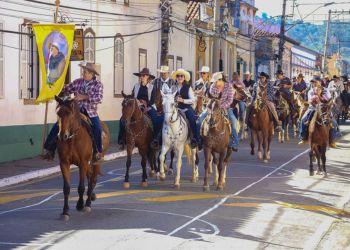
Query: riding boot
{"type": "Point", "coordinates": [276, 121]}
{"type": "Point", "coordinates": [155, 141]}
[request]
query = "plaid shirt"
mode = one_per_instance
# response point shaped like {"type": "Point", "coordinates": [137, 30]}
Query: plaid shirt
{"type": "Point", "coordinates": [93, 89]}
{"type": "Point", "coordinates": [226, 97]}
{"type": "Point", "coordinates": [270, 91]}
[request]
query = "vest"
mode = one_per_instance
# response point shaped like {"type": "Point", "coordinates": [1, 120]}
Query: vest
{"type": "Point", "coordinates": [184, 94]}
{"type": "Point", "coordinates": [137, 88]}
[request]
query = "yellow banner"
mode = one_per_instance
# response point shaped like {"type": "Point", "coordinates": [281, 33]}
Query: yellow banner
{"type": "Point", "coordinates": [55, 43]}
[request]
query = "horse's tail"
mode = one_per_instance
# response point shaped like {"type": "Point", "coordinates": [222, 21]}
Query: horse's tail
{"type": "Point", "coordinates": [188, 153]}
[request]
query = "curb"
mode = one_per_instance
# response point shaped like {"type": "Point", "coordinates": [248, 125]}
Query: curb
{"type": "Point", "coordinates": [52, 170]}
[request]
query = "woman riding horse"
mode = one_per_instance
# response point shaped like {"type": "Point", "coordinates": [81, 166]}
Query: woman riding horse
{"type": "Point", "coordinates": [88, 92]}
{"type": "Point", "coordinates": [221, 87]}
{"type": "Point", "coordinates": [185, 99]}
{"type": "Point", "coordinates": [264, 81]}
{"type": "Point", "coordinates": [317, 93]}
{"type": "Point", "coordinates": [144, 91]}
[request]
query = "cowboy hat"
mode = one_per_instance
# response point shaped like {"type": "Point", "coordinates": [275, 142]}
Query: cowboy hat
{"type": "Point", "coordinates": [217, 76]}
{"type": "Point", "coordinates": [181, 72]}
{"type": "Point", "coordinates": [90, 67]}
{"type": "Point", "coordinates": [263, 74]}
{"type": "Point", "coordinates": [204, 69]}
{"type": "Point", "coordinates": [279, 72]}
{"type": "Point", "coordinates": [316, 78]}
{"type": "Point", "coordinates": [300, 75]}
{"type": "Point", "coordinates": [163, 69]}
{"type": "Point", "coordinates": [145, 71]}
{"type": "Point", "coordinates": [247, 73]}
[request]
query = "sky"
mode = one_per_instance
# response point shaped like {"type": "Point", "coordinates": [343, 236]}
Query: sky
{"type": "Point", "coordinates": [274, 7]}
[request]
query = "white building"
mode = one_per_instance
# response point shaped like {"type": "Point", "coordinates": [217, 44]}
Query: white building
{"type": "Point", "coordinates": [118, 58]}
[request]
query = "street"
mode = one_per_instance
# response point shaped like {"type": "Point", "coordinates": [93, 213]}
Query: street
{"type": "Point", "coordinates": [273, 206]}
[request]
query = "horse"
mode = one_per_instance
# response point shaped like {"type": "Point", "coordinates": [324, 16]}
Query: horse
{"type": "Point", "coordinates": [301, 107]}
{"type": "Point", "coordinates": [261, 124]}
{"type": "Point", "coordinates": [175, 136]}
{"type": "Point", "coordinates": [216, 132]}
{"type": "Point", "coordinates": [75, 146]}
{"type": "Point", "coordinates": [201, 101]}
{"type": "Point", "coordinates": [340, 110]}
{"type": "Point", "coordinates": [319, 136]}
{"type": "Point", "coordinates": [139, 133]}
{"type": "Point", "coordinates": [282, 108]}
{"type": "Point", "coordinates": [242, 95]}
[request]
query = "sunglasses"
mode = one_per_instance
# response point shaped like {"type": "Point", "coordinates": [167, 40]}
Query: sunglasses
{"type": "Point", "coordinates": [143, 75]}
{"type": "Point", "coordinates": [180, 76]}
{"type": "Point", "coordinates": [204, 73]}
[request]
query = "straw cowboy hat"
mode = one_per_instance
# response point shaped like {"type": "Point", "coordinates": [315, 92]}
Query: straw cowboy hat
{"type": "Point", "coordinates": [181, 72]}
{"type": "Point", "coordinates": [90, 67]}
{"type": "Point", "coordinates": [217, 76]}
{"type": "Point", "coordinates": [247, 73]}
{"type": "Point", "coordinates": [145, 71]}
{"type": "Point", "coordinates": [205, 69]}
{"type": "Point", "coordinates": [163, 69]}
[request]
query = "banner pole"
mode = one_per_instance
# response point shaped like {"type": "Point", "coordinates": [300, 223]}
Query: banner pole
{"type": "Point", "coordinates": [47, 102]}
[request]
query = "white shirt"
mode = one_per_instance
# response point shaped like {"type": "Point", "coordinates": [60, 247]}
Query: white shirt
{"type": "Point", "coordinates": [192, 97]}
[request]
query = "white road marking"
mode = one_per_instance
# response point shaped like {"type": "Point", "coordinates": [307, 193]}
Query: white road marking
{"type": "Point", "coordinates": [223, 200]}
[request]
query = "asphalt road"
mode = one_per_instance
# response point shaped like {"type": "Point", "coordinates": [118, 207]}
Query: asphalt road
{"type": "Point", "coordinates": [274, 206]}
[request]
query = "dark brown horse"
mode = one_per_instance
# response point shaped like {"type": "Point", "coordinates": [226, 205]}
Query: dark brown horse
{"type": "Point", "coordinates": [283, 111]}
{"type": "Point", "coordinates": [139, 133]}
{"type": "Point", "coordinates": [216, 136]}
{"type": "Point", "coordinates": [261, 124]}
{"type": "Point", "coordinates": [319, 136]}
{"type": "Point", "coordinates": [75, 146]}
{"type": "Point", "coordinates": [201, 101]}
{"type": "Point", "coordinates": [244, 96]}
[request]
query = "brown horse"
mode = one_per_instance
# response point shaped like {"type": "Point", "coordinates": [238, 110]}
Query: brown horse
{"type": "Point", "coordinates": [216, 137]}
{"type": "Point", "coordinates": [244, 96]}
{"type": "Point", "coordinates": [283, 111]}
{"type": "Point", "coordinates": [139, 133]}
{"type": "Point", "coordinates": [201, 101]}
{"type": "Point", "coordinates": [301, 106]}
{"type": "Point", "coordinates": [75, 146]}
{"type": "Point", "coordinates": [319, 136]}
{"type": "Point", "coordinates": [261, 124]}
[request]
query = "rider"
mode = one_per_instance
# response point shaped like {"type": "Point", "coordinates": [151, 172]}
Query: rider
{"type": "Point", "coordinates": [164, 82]}
{"type": "Point", "coordinates": [203, 81]}
{"type": "Point", "coordinates": [185, 99]}
{"type": "Point", "coordinates": [285, 85]}
{"type": "Point", "coordinates": [144, 92]}
{"type": "Point", "coordinates": [336, 85]}
{"type": "Point", "coordinates": [300, 85]}
{"type": "Point", "coordinates": [264, 80]}
{"type": "Point", "coordinates": [238, 84]}
{"type": "Point", "coordinates": [88, 91]}
{"type": "Point", "coordinates": [317, 93]}
{"type": "Point", "coordinates": [248, 82]}
{"type": "Point", "coordinates": [220, 85]}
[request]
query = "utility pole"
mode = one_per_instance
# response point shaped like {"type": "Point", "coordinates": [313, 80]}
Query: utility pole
{"type": "Point", "coordinates": [217, 36]}
{"type": "Point", "coordinates": [165, 6]}
{"type": "Point", "coordinates": [324, 61]}
{"type": "Point", "coordinates": [282, 31]}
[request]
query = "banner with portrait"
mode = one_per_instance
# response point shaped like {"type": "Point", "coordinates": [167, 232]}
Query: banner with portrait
{"type": "Point", "coordinates": [55, 43]}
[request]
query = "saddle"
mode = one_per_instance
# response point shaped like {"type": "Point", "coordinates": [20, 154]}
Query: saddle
{"type": "Point", "coordinates": [204, 127]}
{"type": "Point", "coordinates": [86, 123]}
{"type": "Point", "coordinates": [183, 115]}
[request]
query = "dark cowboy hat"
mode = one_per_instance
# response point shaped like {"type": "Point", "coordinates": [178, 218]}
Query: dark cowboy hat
{"type": "Point", "coordinates": [145, 71]}
{"type": "Point", "coordinates": [335, 77]}
{"type": "Point", "coordinates": [279, 72]}
{"type": "Point", "coordinates": [90, 67]}
{"type": "Point", "coordinates": [316, 78]}
{"type": "Point", "coordinates": [263, 74]}
{"type": "Point", "coordinates": [300, 75]}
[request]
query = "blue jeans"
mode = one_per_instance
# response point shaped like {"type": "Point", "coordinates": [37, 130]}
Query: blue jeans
{"type": "Point", "coordinates": [303, 127]}
{"type": "Point", "coordinates": [333, 131]}
{"type": "Point", "coordinates": [51, 140]}
{"type": "Point", "coordinates": [157, 120]}
{"type": "Point", "coordinates": [241, 105]}
{"type": "Point", "coordinates": [190, 115]}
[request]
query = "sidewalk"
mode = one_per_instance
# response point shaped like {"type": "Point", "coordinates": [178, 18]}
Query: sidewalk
{"type": "Point", "coordinates": [15, 172]}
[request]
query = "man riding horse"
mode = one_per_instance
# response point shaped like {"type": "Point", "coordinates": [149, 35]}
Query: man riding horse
{"type": "Point", "coordinates": [239, 85]}
{"type": "Point", "coordinates": [88, 92]}
{"type": "Point", "coordinates": [144, 92]}
{"type": "Point", "coordinates": [203, 81]}
{"type": "Point", "coordinates": [285, 86]}
{"type": "Point", "coordinates": [317, 94]}
{"type": "Point", "coordinates": [220, 87]}
{"type": "Point", "coordinates": [264, 81]}
{"type": "Point", "coordinates": [164, 82]}
{"type": "Point", "coordinates": [300, 85]}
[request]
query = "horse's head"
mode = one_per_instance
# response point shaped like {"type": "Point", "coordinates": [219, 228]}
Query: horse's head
{"type": "Point", "coordinates": [169, 107]}
{"type": "Point", "coordinates": [241, 95]}
{"type": "Point", "coordinates": [129, 105]}
{"type": "Point", "coordinates": [68, 117]}
{"type": "Point", "coordinates": [324, 113]}
{"type": "Point", "coordinates": [215, 113]}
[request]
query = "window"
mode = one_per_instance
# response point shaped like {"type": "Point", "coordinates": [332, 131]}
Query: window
{"type": "Point", "coordinates": [126, 2]}
{"type": "Point", "coordinates": [142, 59]}
{"type": "Point", "coordinates": [1, 63]}
{"type": "Point", "coordinates": [29, 65]}
{"type": "Point", "coordinates": [118, 64]}
{"type": "Point", "coordinates": [178, 62]}
{"type": "Point", "coordinates": [89, 45]}
{"type": "Point", "coordinates": [171, 63]}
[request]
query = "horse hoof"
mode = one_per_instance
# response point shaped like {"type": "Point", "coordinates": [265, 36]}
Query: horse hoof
{"type": "Point", "coordinates": [177, 186]}
{"type": "Point", "coordinates": [151, 173]}
{"type": "Point", "coordinates": [266, 161]}
{"type": "Point", "coordinates": [319, 173]}
{"type": "Point", "coordinates": [215, 183]}
{"type": "Point", "coordinates": [252, 152]}
{"type": "Point", "coordinates": [311, 173]}
{"type": "Point", "coordinates": [206, 188]}
{"type": "Point", "coordinates": [194, 180]}
{"type": "Point", "coordinates": [260, 156]}
{"type": "Point", "coordinates": [87, 209]}
{"type": "Point", "coordinates": [220, 188]}
{"type": "Point", "coordinates": [93, 196]}
{"type": "Point", "coordinates": [325, 174]}
{"type": "Point", "coordinates": [170, 171]}
{"type": "Point", "coordinates": [65, 217]}
{"type": "Point", "coordinates": [126, 185]}
{"type": "Point", "coordinates": [144, 184]}
{"type": "Point", "coordinates": [162, 177]}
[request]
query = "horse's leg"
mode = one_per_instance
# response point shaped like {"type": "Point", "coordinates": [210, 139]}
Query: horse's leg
{"type": "Point", "coordinates": [269, 139]}
{"type": "Point", "coordinates": [311, 168]}
{"type": "Point", "coordinates": [259, 134]}
{"type": "Point", "coordinates": [207, 157]}
{"type": "Point", "coordinates": [216, 177]}
{"type": "Point", "coordinates": [226, 161]}
{"type": "Point", "coordinates": [318, 157]}
{"type": "Point", "coordinates": [179, 152]}
{"type": "Point", "coordinates": [81, 187]}
{"type": "Point", "coordinates": [194, 165]}
{"type": "Point", "coordinates": [170, 169]}
{"type": "Point", "coordinates": [151, 156]}
{"type": "Point", "coordinates": [65, 169]}
{"type": "Point", "coordinates": [164, 150]}
{"type": "Point", "coordinates": [252, 141]}
{"type": "Point", "coordinates": [128, 164]}
{"type": "Point", "coordinates": [287, 130]}
{"type": "Point", "coordinates": [92, 180]}
{"type": "Point", "coordinates": [144, 153]}
{"type": "Point", "coordinates": [211, 165]}
{"type": "Point", "coordinates": [323, 158]}
{"type": "Point", "coordinates": [220, 186]}
{"type": "Point", "coordinates": [265, 134]}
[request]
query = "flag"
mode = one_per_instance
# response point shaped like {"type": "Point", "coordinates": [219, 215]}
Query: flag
{"type": "Point", "coordinates": [54, 43]}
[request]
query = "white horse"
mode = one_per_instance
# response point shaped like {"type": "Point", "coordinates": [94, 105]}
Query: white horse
{"type": "Point", "coordinates": [175, 136]}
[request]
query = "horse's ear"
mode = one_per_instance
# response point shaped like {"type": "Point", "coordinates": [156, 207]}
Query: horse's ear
{"type": "Point", "coordinates": [209, 95]}
{"type": "Point", "coordinates": [123, 94]}
{"type": "Point", "coordinates": [59, 100]}
{"type": "Point", "coordinates": [220, 95]}
{"type": "Point", "coordinates": [174, 93]}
